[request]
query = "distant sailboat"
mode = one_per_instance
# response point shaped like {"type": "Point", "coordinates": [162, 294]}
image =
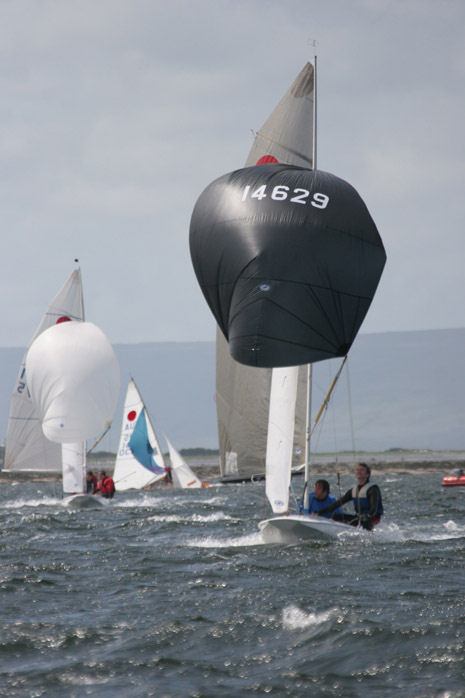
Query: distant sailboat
{"type": "Point", "coordinates": [27, 448]}
{"type": "Point", "coordinates": [139, 461]}
{"type": "Point", "coordinates": [183, 476]}
{"type": "Point", "coordinates": [73, 379]}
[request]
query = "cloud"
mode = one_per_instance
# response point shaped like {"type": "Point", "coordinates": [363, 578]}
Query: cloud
{"type": "Point", "coordinates": [116, 115]}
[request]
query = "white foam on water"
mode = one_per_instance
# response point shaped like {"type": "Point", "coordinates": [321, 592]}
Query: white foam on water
{"type": "Point", "coordinates": [443, 531]}
{"type": "Point", "coordinates": [212, 500]}
{"type": "Point", "coordinates": [145, 500]}
{"type": "Point", "coordinates": [195, 518]}
{"type": "Point", "coordinates": [293, 618]}
{"type": "Point", "coordinates": [423, 533]}
{"type": "Point", "coordinates": [168, 501]}
{"type": "Point", "coordinates": [42, 502]}
{"type": "Point", "coordinates": [250, 539]}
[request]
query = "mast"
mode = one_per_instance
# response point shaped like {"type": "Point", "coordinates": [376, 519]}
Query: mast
{"type": "Point", "coordinates": [309, 367]}
{"type": "Point", "coordinates": [74, 456]}
{"type": "Point", "coordinates": [314, 111]}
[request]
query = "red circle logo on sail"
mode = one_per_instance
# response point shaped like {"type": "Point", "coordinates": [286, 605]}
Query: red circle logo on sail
{"type": "Point", "coordinates": [63, 318]}
{"type": "Point", "coordinates": [266, 159]}
{"type": "Point", "coordinates": [132, 415]}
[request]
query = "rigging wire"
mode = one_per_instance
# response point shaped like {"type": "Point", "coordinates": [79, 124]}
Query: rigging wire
{"type": "Point", "coordinates": [351, 415]}
{"type": "Point", "coordinates": [99, 439]}
{"type": "Point", "coordinates": [321, 412]}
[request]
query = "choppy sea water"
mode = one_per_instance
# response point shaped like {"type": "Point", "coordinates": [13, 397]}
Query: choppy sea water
{"type": "Point", "coordinates": [174, 594]}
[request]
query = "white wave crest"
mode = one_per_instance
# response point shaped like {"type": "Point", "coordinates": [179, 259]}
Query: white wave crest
{"type": "Point", "coordinates": [145, 500]}
{"type": "Point", "coordinates": [422, 532]}
{"type": "Point", "coordinates": [195, 518]}
{"type": "Point", "coordinates": [293, 618]}
{"type": "Point", "coordinates": [21, 503]}
{"type": "Point", "coordinates": [242, 541]}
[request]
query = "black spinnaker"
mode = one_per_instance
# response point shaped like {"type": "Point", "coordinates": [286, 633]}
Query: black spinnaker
{"type": "Point", "coordinates": [288, 259]}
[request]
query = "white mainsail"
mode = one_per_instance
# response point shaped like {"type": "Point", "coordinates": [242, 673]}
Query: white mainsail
{"type": "Point", "coordinates": [182, 474]}
{"type": "Point", "coordinates": [243, 392]}
{"type": "Point", "coordinates": [73, 379]}
{"type": "Point", "coordinates": [27, 448]}
{"type": "Point", "coordinates": [281, 436]}
{"type": "Point", "coordinates": [129, 472]}
{"type": "Point", "coordinates": [73, 458]}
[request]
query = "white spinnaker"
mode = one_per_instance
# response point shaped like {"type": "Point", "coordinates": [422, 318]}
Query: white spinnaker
{"type": "Point", "coordinates": [74, 468]}
{"type": "Point", "coordinates": [129, 474]}
{"type": "Point", "coordinates": [27, 448]}
{"type": "Point", "coordinates": [73, 378]}
{"type": "Point", "coordinates": [280, 439]}
{"type": "Point", "coordinates": [183, 476]}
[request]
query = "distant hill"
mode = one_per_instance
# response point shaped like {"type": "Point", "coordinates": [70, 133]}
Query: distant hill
{"type": "Point", "coordinates": [407, 390]}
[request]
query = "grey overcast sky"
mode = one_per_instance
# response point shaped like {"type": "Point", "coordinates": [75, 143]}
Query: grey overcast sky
{"type": "Point", "coordinates": [115, 114]}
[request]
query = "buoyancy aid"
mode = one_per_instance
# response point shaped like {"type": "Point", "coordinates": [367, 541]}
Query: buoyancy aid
{"type": "Point", "coordinates": [361, 501]}
{"type": "Point", "coordinates": [315, 505]}
{"type": "Point", "coordinates": [108, 487]}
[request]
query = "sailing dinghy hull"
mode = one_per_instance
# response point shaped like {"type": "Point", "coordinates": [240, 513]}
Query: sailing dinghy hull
{"type": "Point", "coordinates": [297, 527]}
{"type": "Point", "coordinates": [85, 501]}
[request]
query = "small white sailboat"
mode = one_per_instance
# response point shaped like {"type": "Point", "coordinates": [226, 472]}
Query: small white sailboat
{"type": "Point", "coordinates": [73, 379]}
{"type": "Point", "coordinates": [183, 476]}
{"type": "Point", "coordinates": [287, 527]}
{"type": "Point", "coordinates": [139, 461]}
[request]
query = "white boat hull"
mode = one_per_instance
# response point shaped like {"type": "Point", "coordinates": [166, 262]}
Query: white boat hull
{"type": "Point", "coordinates": [298, 527]}
{"type": "Point", "coordinates": [84, 501]}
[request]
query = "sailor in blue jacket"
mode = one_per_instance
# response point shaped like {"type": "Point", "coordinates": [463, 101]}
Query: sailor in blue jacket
{"type": "Point", "coordinates": [367, 500]}
{"type": "Point", "coordinates": [320, 499]}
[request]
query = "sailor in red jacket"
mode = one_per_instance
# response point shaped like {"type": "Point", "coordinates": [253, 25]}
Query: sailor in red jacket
{"type": "Point", "coordinates": [105, 486]}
